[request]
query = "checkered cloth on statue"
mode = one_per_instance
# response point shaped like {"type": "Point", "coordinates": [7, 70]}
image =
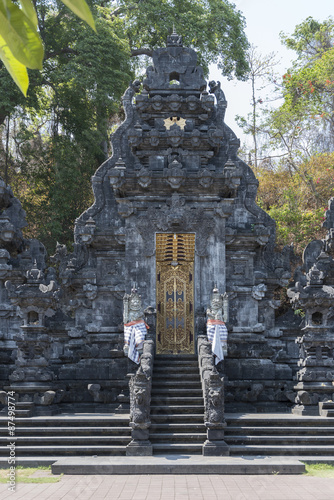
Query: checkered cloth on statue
{"type": "Point", "coordinates": [134, 336]}
{"type": "Point", "coordinates": [217, 335]}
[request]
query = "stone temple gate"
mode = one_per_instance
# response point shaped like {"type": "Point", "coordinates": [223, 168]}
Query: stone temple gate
{"type": "Point", "coordinates": [175, 216]}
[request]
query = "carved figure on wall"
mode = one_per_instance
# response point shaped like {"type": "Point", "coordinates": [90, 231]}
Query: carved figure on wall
{"type": "Point", "coordinates": [214, 413]}
{"type": "Point", "coordinates": [175, 175]}
{"type": "Point", "coordinates": [216, 89]}
{"type": "Point", "coordinates": [135, 328]}
{"type": "Point", "coordinates": [140, 397]}
{"type": "Point", "coordinates": [216, 328]}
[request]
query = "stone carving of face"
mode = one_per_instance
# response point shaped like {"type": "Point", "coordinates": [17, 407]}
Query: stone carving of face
{"type": "Point", "coordinates": [157, 103]}
{"type": "Point", "coordinates": [192, 103]}
{"type": "Point", "coordinates": [216, 304]}
{"type": "Point", "coordinates": [174, 103]}
{"type": "Point", "coordinates": [144, 177]}
{"type": "Point", "coordinates": [206, 179]}
{"type": "Point", "coordinates": [135, 303]}
{"type": "Point", "coordinates": [175, 176]}
{"type": "Point", "coordinates": [174, 181]}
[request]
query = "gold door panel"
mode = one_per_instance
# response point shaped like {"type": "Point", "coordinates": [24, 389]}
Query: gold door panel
{"type": "Point", "coordinates": [175, 293]}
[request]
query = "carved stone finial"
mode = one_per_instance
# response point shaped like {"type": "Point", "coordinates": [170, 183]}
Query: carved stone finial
{"type": "Point", "coordinates": [174, 40]}
{"type": "Point", "coordinates": [34, 275]}
{"type": "Point", "coordinates": [315, 277]}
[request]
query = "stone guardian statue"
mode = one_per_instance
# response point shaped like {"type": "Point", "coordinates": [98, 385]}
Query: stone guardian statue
{"type": "Point", "coordinates": [135, 328]}
{"type": "Point", "coordinates": [217, 333]}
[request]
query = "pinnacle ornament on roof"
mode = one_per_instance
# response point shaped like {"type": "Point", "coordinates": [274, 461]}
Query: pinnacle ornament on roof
{"type": "Point", "coordinates": [174, 40]}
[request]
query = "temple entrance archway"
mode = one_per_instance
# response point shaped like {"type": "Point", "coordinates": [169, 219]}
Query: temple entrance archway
{"type": "Point", "coordinates": [175, 293]}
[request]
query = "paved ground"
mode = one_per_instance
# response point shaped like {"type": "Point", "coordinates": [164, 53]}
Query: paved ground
{"type": "Point", "coordinates": [177, 487]}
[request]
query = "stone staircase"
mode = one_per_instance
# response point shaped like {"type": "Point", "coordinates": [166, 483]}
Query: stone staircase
{"type": "Point", "coordinates": [177, 425]}
{"type": "Point", "coordinates": [280, 434]}
{"type": "Point", "coordinates": [66, 435]}
{"type": "Point", "coordinates": [177, 408]}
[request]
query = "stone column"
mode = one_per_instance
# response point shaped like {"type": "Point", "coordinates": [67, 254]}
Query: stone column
{"type": "Point", "coordinates": [316, 344]}
{"type": "Point", "coordinates": [140, 404]}
{"type": "Point", "coordinates": [32, 377]}
{"type": "Point", "coordinates": [213, 391]}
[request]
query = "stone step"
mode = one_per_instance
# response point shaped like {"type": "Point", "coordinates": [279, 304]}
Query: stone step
{"type": "Point", "coordinates": [278, 421]}
{"type": "Point", "coordinates": [165, 418]}
{"type": "Point", "coordinates": [24, 413]}
{"type": "Point", "coordinates": [24, 409]}
{"type": "Point", "coordinates": [326, 409]}
{"type": "Point", "coordinates": [175, 365]}
{"type": "Point", "coordinates": [167, 370]}
{"type": "Point", "coordinates": [173, 400]}
{"type": "Point", "coordinates": [64, 450]}
{"type": "Point", "coordinates": [296, 450]}
{"type": "Point", "coordinates": [175, 383]}
{"type": "Point", "coordinates": [172, 376]}
{"type": "Point", "coordinates": [175, 357]}
{"type": "Point", "coordinates": [271, 431]}
{"type": "Point", "coordinates": [184, 448]}
{"type": "Point", "coordinates": [82, 431]}
{"type": "Point", "coordinates": [173, 391]}
{"type": "Point", "coordinates": [179, 428]}
{"type": "Point", "coordinates": [183, 437]}
{"type": "Point", "coordinates": [63, 440]}
{"type": "Point", "coordinates": [280, 440]}
{"type": "Point", "coordinates": [91, 420]}
{"type": "Point", "coordinates": [176, 409]}
{"type": "Point", "coordinates": [178, 464]}
{"type": "Point", "coordinates": [327, 413]}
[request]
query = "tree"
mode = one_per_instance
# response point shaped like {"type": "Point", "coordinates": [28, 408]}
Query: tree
{"type": "Point", "coordinates": [59, 133]}
{"type": "Point", "coordinates": [261, 73]}
{"type": "Point", "coordinates": [213, 27]}
{"type": "Point", "coordinates": [309, 85]}
{"type": "Point", "coordinates": [302, 127]}
{"type": "Point", "coordinates": [295, 186]}
{"type": "Point", "coordinates": [286, 197]}
{"type": "Point", "coordinates": [58, 137]}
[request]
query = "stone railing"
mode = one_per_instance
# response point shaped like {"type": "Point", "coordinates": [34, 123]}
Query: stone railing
{"type": "Point", "coordinates": [140, 386]}
{"type": "Point", "coordinates": [213, 393]}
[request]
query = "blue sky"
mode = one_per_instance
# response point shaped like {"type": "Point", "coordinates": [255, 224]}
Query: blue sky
{"type": "Point", "coordinates": [265, 20]}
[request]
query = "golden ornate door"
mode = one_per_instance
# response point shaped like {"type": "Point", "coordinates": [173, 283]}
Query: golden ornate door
{"type": "Point", "coordinates": [175, 293]}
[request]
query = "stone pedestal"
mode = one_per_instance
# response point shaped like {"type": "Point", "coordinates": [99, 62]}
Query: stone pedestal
{"type": "Point", "coordinates": [215, 445]}
{"type": "Point", "coordinates": [140, 444]}
{"type": "Point", "coordinates": [139, 448]}
{"type": "Point", "coordinates": [215, 449]}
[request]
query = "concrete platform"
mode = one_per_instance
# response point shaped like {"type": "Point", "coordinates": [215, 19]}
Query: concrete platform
{"type": "Point", "coordinates": [178, 464]}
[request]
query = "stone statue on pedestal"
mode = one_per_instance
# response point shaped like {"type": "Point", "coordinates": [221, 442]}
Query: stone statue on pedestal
{"type": "Point", "coordinates": [135, 327]}
{"type": "Point", "coordinates": [216, 328]}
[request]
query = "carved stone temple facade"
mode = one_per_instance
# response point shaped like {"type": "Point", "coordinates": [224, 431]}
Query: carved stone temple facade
{"type": "Point", "coordinates": [174, 216]}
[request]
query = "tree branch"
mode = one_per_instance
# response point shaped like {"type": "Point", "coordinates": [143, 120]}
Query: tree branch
{"type": "Point", "coordinates": [122, 8]}
{"type": "Point", "coordinates": [141, 52]}
{"type": "Point", "coordinates": [117, 11]}
{"type": "Point", "coordinates": [66, 50]}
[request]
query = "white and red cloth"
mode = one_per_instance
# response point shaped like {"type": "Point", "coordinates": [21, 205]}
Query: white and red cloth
{"type": "Point", "coordinates": [217, 335]}
{"type": "Point", "coordinates": [134, 336]}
